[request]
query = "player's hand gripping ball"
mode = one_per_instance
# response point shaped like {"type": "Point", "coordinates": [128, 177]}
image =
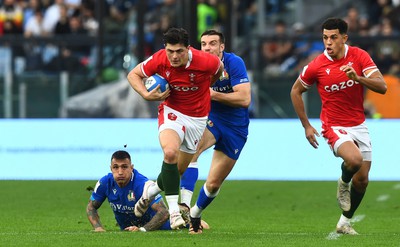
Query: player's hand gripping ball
{"type": "Point", "coordinates": [155, 80]}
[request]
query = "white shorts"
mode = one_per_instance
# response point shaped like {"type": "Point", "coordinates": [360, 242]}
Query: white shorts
{"type": "Point", "coordinates": [337, 135]}
{"type": "Point", "coordinates": [189, 129]}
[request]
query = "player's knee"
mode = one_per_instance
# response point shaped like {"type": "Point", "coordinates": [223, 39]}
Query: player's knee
{"type": "Point", "coordinates": [213, 187]}
{"type": "Point", "coordinates": [171, 155]}
{"type": "Point", "coordinates": [354, 163]}
{"type": "Point", "coordinates": [360, 182]}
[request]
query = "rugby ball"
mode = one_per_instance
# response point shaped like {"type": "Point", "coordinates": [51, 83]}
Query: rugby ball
{"type": "Point", "coordinates": [155, 80]}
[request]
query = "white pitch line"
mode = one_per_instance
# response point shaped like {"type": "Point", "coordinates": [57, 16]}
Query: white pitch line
{"type": "Point", "coordinates": [334, 235]}
{"type": "Point", "coordinates": [382, 198]}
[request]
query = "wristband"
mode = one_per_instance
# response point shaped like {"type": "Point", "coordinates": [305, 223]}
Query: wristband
{"type": "Point", "coordinates": [142, 229]}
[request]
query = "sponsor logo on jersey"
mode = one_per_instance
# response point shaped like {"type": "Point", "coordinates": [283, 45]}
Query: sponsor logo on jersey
{"type": "Point", "coordinates": [120, 207]}
{"type": "Point", "coordinates": [340, 86]}
{"type": "Point", "coordinates": [226, 89]}
{"type": "Point", "coordinates": [184, 88]}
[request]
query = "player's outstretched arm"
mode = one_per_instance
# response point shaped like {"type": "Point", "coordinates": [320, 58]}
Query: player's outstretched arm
{"type": "Point", "coordinates": [159, 218]}
{"type": "Point", "coordinates": [93, 216]}
{"type": "Point", "coordinates": [298, 105]}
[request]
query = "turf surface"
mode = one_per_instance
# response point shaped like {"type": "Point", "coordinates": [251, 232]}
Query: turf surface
{"type": "Point", "coordinates": [246, 213]}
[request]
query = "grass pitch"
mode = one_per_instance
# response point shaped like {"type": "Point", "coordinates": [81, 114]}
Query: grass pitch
{"type": "Point", "coordinates": [246, 213]}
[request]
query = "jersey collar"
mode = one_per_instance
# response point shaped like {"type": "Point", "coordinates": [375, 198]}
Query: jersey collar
{"type": "Point", "coordinates": [190, 58]}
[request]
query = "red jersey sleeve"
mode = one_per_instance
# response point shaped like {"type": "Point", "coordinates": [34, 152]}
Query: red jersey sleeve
{"type": "Point", "coordinates": [308, 74]}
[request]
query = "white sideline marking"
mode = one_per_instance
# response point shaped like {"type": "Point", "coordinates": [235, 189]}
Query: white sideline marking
{"type": "Point", "coordinates": [357, 218]}
{"type": "Point", "coordinates": [334, 235]}
{"type": "Point", "coordinates": [382, 198]}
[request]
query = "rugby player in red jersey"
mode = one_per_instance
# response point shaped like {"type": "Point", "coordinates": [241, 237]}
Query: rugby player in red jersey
{"type": "Point", "coordinates": [182, 113]}
{"type": "Point", "coordinates": [341, 73]}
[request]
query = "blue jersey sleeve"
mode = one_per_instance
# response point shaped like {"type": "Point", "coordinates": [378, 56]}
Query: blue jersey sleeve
{"type": "Point", "coordinates": [238, 72]}
{"type": "Point", "coordinates": [100, 190]}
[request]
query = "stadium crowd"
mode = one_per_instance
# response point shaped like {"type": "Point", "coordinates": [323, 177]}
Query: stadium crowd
{"type": "Point", "coordinates": [375, 28]}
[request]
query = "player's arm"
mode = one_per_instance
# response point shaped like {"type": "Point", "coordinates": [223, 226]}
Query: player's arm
{"type": "Point", "coordinates": [240, 97]}
{"type": "Point", "coordinates": [216, 77]}
{"type": "Point", "coordinates": [298, 104]}
{"type": "Point", "coordinates": [93, 215]}
{"type": "Point", "coordinates": [373, 79]}
{"type": "Point", "coordinates": [161, 216]}
{"type": "Point", "coordinates": [136, 77]}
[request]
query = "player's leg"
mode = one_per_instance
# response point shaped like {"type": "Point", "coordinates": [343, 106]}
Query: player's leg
{"type": "Point", "coordinates": [359, 180]}
{"type": "Point", "coordinates": [190, 175]}
{"type": "Point", "coordinates": [170, 142]}
{"type": "Point", "coordinates": [352, 162]}
{"type": "Point", "coordinates": [221, 166]}
{"type": "Point", "coordinates": [168, 179]}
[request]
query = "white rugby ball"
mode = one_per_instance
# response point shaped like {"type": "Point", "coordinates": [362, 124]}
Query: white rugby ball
{"type": "Point", "coordinates": [155, 80]}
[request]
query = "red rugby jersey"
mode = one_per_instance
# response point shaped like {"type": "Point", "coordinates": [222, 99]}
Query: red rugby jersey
{"type": "Point", "coordinates": [342, 98]}
{"type": "Point", "coordinates": [189, 84]}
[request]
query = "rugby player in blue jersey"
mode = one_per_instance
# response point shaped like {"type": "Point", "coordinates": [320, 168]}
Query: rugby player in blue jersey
{"type": "Point", "coordinates": [123, 188]}
{"type": "Point", "coordinates": [227, 128]}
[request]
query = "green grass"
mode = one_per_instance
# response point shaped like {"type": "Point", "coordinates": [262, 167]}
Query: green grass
{"type": "Point", "coordinates": [246, 213]}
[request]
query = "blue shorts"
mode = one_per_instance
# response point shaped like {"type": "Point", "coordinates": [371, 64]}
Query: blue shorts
{"type": "Point", "coordinates": [229, 139]}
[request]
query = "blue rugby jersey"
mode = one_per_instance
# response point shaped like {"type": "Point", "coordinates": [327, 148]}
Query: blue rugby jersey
{"type": "Point", "coordinates": [235, 73]}
{"type": "Point", "coordinates": [123, 200]}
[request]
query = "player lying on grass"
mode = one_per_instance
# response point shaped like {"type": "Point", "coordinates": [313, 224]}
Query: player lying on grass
{"type": "Point", "coordinates": [123, 187]}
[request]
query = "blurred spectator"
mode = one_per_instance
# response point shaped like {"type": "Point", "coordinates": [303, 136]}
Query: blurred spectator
{"type": "Point", "coordinates": [72, 57]}
{"type": "Point", "coordinates": [387, 51]}
{"type": "Point", "coordinates": [89, 21]}
{"type": "Point", "coordinates": [11, 17]}
{"type": "Point", "coordinates": [304, 49]}
{"type": "Point", "coordinates": [62, 26]}
{"type": "Point", "coordinates": [159, 13]}
{"type": "Point", "coordinates": [353, 20]}
{"type": "Point", "coordinates": [30, 9]}
{"type": "Point", "coordinates": [377, 9]}
{"type": "Point", "coordinates": [52, 15]}
{"type": "Point", "coordinates": [33, 50]}
{"type": "Point", "coordinates": [77, 30]}
{"type": "Point", "coordinates": [207, 16]}
{"type": "Point", "coordinates": [117, 20]}
{"type": "Point", "coordinates": [164, 25]}
{"type": "Point", "coordinates": [73, 6]}
{"type": "Point", "coordinates": [277, 48]}
{"type": "Point", "coordinates": [247, 16]}
{"type": "Point", "coordinates": [34, 26]}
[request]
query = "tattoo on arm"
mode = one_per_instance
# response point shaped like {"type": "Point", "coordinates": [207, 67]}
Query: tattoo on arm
{"type": "Point", "coordinates": [92, 214]}
{"type": "Point", "coordinates": [159, 219]}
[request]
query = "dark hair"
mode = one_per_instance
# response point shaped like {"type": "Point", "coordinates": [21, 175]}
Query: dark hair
{"type": "Point", "coordinates": [214, 32]}
{"type": "Point", "coordinates": [335, 23]}
{"type": "Point", "coordinates": [175, 36]}
{"type": "Point", "coordinates": [121, 155]}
